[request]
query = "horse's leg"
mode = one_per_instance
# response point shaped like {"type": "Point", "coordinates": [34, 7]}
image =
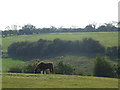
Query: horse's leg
{"type": "Point", "coordinates": [51, 70]}
{"type": "Point", "coordinates": [40, 71]}
{"type": "Point", "coordinates": [43, 71]}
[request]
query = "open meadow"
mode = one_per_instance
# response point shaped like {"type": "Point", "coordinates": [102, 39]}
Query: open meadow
{"type": "Point", "coordinates": [17, 80]}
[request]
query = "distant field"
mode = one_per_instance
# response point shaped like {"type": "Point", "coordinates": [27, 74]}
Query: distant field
{"type": "Point", "coordinates": [105, 38]}
{"type": "Point", "coordinates": [16, 80]}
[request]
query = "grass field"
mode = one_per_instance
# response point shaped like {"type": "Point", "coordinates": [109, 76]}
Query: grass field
{"type": "Point", "coordinates": [8, 63]}
{"type": "Point", "coordinates": [105, 38]}
{"type": "Point", "coordinates": [17, 80]}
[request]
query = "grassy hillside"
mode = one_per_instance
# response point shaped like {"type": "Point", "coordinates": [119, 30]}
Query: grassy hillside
{"type": "Point", "coordinates": [84, 63]}
{"type": "Point", "coordinates": [17, 80]}
{"type": "Point", "coordinates": [105, 38]}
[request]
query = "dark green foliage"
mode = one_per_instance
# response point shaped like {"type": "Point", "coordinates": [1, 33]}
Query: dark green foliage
{"type": "Point", "coordinates": [117, 69]}
{"type": "Point", "coordinates": [113, 52]}
{"type": "Point", "coordinates": [92, 46]}
{"type": "Point", "coordinates": [29, 67]}
{"type": "Point", "coordinates": [43, 48]}
{"type": "Point", "coordinates": [103, 68]}
{"type": "Point", "coordinates": [27, 29]}
{"type": "Point", "coordinates": [62, 68]}
{"type": "Point", "coordinates": [78, 71]}
{"type": "Point", "coordinates": [16, 69]}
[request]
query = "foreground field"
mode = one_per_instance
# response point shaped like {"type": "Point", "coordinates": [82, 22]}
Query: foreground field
{"type": "Point", "coordinates": [17, 80]}
{"type": "Point", "coordinates": [105, 38]}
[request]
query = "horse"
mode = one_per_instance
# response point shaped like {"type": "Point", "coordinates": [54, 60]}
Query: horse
{"type": "Point", "coordinates": [43, 66]}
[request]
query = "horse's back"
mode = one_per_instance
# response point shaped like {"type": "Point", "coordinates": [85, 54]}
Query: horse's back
{"type": "Point", "coordinates": [45, 65]}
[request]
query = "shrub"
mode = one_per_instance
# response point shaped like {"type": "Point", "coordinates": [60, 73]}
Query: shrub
{"type": "Point", "coordinates": [25, 68]}
{"type": "Point", "coordinates": [16, 69]}
{"type": "Point", "coordinates": [62, 68]}
{"type": "Point", "coordinates": [103, 68]}
{"type": "Point", "coordinates": [112, 52]}
{"type": "Point", "coordinates": [29, 68]}
{"type": "Point", "coordinates": [78, 72]}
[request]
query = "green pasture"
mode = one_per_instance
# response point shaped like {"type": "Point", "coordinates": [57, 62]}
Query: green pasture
{"type": "Point", "coordinates": [105, 38]}
{"type": "Point", "coordinates": [18, 80]}
{"type": "Point", "coordinates": [9, 62]}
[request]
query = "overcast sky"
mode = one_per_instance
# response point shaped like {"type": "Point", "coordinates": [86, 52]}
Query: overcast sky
{"type": "Point", "coordinates": [66, 13]}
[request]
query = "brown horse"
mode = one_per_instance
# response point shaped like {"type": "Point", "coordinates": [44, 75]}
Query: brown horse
{"type": "Point", "coordinates": [43, 66]}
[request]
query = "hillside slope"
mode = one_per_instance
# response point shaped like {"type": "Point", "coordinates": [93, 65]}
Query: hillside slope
{"type": "Point", "coordinates": [105, 38]}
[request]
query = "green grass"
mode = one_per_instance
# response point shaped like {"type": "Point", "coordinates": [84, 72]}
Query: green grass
{"type": "Point", "coordinates": [16, 80]}
{"type": "Point", "coordinates": [83, 63]}
{"type": "Point", "coordinates": [105, 38]}
{"type": "Point", "coordinates": [9, 62]}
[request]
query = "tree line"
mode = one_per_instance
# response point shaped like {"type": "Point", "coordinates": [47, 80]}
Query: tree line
{"type": "Point", "coordinates": [45, 48]}
{"type": "Point", "coordinates": [31, 29]}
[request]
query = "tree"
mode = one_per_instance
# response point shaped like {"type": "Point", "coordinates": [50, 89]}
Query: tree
{"type": "Point", "coordinates": [28, 29]}
{"type": "Point", "coordinates": [90, 28]}
{"type": "Point", "coordinates": [103, 68]}
{"type": "Point", "coordinates": [112, 52]}
{"type": "Point", "coordinates": [88, 45]}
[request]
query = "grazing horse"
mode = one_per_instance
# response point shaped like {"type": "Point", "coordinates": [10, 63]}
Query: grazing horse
{"type": "Point", "coordinates": [43, 66]}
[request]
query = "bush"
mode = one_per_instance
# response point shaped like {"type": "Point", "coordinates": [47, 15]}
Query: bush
{"type": "Point", "coordinates": [16, 69]}
{"type": "Point", "coordinates": [117, 69]}
{"type": "Point", "coordinates": [62, 68]}
{"type": "Point", "coordinates": [25, 68]}
{"type": "Point", "coordinates": [78, 72]}
{"type": "Point", "coordinates": [103, 68]}
{"type": "Point", "coordinates": [112, 52]}
{"type": "Point", "coordinates": [29, 68]}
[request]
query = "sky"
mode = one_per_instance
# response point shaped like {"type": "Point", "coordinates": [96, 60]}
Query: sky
{"type": "Point", "coordinates": [58, 13]}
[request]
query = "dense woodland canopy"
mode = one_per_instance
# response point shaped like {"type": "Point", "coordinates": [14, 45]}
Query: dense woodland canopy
{"type": "Point", "coordinates": [45, 48]}
{"type": "Point", "coordinates": [31, 29]}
